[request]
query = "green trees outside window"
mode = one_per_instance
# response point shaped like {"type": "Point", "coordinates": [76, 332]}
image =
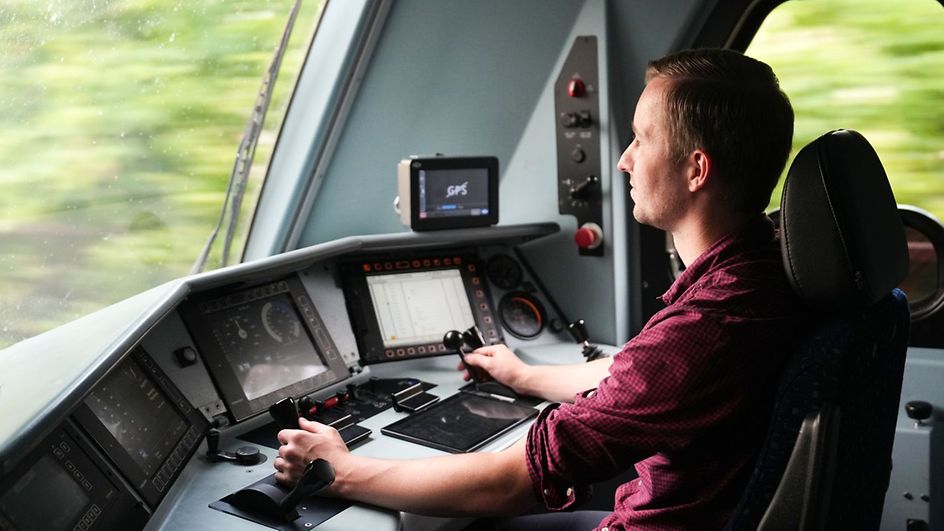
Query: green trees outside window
{"type": "Point", "coordinates": [119, 123]}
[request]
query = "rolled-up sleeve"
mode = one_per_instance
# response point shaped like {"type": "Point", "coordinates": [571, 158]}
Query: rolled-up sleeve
{"type": "Point", "coordinates": [662, 388]}
{"type": "Point", "coordinates": [549, 477]}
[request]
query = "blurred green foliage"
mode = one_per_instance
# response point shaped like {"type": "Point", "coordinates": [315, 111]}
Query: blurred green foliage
{"type": "Point", "coordinates": [869, 65]}
{"type": "Point", "coordinates": [119, 123]}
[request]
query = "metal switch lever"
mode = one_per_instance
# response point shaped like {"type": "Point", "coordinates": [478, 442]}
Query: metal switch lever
{"type": "Point", "coordinates": [244, 455]}
{"type": "Point", "coordinates": [578, 330]}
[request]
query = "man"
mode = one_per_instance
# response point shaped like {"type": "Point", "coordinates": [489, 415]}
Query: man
{"type": "Point", "coordinates": [687, 400]}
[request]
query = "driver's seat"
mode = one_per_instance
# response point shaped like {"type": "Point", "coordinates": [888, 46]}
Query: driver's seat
{"type": "Point", "coordinates": [827, 457]}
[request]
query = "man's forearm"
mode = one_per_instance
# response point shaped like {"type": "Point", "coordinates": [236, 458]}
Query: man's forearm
{"type": "Point", "coordinates": [559, 383]}
{"type": "Point", "coordinates": [455, 485]}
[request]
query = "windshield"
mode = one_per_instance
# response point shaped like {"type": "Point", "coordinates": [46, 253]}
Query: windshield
{"type": "Point", "coordinates": [120, 123]}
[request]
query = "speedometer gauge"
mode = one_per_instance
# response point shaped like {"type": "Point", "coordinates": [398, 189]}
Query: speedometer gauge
{"type": "Point", "coordinates": [521, 314]}
{"type": "Point", "coordinates": [281, 322]}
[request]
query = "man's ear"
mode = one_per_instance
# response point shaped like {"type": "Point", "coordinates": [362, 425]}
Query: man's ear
{"type": "Point", "coordinates": [699, 164]}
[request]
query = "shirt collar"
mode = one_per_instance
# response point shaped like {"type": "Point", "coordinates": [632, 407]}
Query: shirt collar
{"type": "Point", "coordinates": [757, 230]}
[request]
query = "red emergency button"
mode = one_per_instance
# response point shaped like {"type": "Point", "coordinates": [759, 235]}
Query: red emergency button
{"type": "Point", "coordinates": [589, 236]}
{"type": "Point", "coordinates": [576, 88]}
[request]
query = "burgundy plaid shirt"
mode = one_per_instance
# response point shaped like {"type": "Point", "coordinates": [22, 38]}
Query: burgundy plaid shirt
{"type": "Point", "coordinates": [687, 400]}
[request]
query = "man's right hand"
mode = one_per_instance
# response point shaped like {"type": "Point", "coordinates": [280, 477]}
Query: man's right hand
{"type": "Point", "coordinates": [501, 364]}
{"type": "Point", "coordinates": [555, 383]}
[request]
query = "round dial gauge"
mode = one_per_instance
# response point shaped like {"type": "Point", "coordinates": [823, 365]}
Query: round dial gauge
{"type": "Point", "coordinates": [235, 331]}
{"type": "Point", "coordinates": [521, 314]}
{"type": "Point", "coordinates": [281, 322]}
{"type": "Point", "coordinates": [503, 271]}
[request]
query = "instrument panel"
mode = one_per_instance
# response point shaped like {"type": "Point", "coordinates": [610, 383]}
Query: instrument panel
{"type": "Point", "coordinates": [246, 345]}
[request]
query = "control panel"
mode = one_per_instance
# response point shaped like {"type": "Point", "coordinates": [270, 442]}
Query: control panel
{"type": "Point", "coordinates": [576, 102]}
{"type": "Point", "coordinates": [230, 352]}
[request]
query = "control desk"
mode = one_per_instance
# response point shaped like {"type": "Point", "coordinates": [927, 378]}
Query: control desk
{"type": "Point", "coordinates": [158, 414]}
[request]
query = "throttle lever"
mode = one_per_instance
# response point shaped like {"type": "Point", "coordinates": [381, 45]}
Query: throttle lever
{"type": "Point", "coordinates": [318, 475]}
{"type": "Point", "coordinates": [455, 340]}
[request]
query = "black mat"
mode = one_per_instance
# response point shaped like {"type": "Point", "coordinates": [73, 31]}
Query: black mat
{"type": "Point", "coordinates": [311, 511]}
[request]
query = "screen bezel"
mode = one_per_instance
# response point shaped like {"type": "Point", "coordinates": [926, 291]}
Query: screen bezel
{"type": "Point", "coordinates": [195, 429]}
{"type": "Point", "coordinates": [490, 164]}
{"type": "Point", "coordinates": [364, 317]}
{"type": "Point", "coordinates": [110, 504]}
{"type": "Point", "coordinates": [240, 406]}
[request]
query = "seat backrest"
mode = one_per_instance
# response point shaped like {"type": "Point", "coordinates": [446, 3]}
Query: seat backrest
{"type": "Point", "coordinates": [844, 250]}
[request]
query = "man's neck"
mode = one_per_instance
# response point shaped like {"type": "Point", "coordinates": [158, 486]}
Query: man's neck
{"type": "Point", "coordinates": [694, 236]}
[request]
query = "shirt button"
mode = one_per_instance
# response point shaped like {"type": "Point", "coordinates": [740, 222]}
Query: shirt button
{"type": "Point", "coordinates": [570, 492]}
{"type": "Point", "coordinates": [547, 492]}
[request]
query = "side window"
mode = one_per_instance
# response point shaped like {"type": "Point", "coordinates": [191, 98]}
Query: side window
{"type": "Point", "coordinates": [120, 122]}
{"type": "Point", "coordinates": [869, 65]}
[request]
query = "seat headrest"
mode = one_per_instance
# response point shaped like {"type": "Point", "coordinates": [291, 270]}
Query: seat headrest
{"type": "Point", "coordinates": [842, 238]}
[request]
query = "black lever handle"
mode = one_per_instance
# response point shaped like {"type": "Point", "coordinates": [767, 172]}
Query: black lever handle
{"type": "Point", "coordinates": [244, 455]}
{"type": "Point", "coordinates": [455, 340]}
{"type": "Point", "coordinates": [473, 338]}
{"type": "Point", "coordinates": [285, 413]}
{"type": "Point", "coordinates": [317, 476]}
{"type": "Point", "coordinates": [578, 330]}
{"type": "Point", "coordinates": [213, 441]}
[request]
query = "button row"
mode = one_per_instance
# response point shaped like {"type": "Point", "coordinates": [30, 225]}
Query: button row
{"type": "Point", "coordinates": [413, 264]}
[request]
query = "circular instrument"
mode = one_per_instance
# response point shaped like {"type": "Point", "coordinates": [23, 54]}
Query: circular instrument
{"type": "Point", "coordinates": [503, 271]}
{"type": "Point", "coordinates": [281, 322]}
{"type": "Point", "coordinates": [521, 314]}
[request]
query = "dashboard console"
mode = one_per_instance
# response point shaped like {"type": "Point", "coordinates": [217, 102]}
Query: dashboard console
{"type": "Point", "coordinates": [239, 341]}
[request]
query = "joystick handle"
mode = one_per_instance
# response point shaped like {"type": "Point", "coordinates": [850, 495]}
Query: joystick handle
{"type": "Point", "coordinates": [473, 338]}
{"type": "Point", "coordinates": [318, 475]}
{"type": "Point", "coordinates": [285, 413]}
{"type": "Point", "coordinates": [453, 340]}
{"type": "Point", "coordinates": [578, 330]}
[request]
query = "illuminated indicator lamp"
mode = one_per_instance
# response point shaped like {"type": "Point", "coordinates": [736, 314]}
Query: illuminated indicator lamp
{"type": "Point", "coordinates": [588, 236]}
{"type": "Point", "coordinates": [576, 88]}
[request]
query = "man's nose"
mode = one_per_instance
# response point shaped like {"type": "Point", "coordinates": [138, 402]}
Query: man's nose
{"type": "Point", "coordinates": [625, 163]}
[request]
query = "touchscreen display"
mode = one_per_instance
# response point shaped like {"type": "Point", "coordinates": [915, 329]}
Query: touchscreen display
{"type": "Point", "coordinates": [461, 423]}
{"type": "Point", "coordinates": [266, 344]}
{"type": "Point", "coordinates": [262, 344]}
{"type": "Point", "coordinates": [453, 192]}
{"type": "Point", "coordinates": [419, 306]}
{"type": "Point", "coordinates": [44, 498]}
{"type": "Point", "coordinates": [138, 415]}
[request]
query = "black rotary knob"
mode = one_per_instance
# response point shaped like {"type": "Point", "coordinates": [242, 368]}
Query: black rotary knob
{"type": "Point", "coordinates": [919, 410]}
